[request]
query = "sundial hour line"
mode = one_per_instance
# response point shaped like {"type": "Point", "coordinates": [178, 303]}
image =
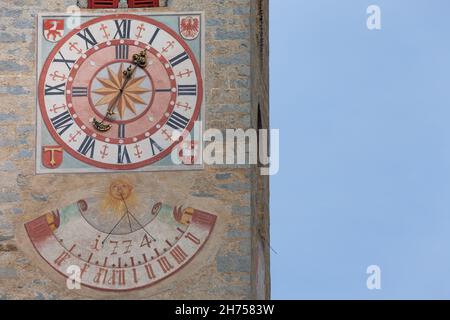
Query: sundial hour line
{"type": "Point", "coordinates": [130, 214]}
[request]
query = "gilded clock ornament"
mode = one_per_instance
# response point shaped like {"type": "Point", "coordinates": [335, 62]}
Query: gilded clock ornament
{"type": "Point", "coordinates": [119, 92]}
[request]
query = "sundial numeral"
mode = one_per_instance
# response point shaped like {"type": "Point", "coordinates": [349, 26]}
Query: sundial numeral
{"type": "Point", "coordinates": [150, 272]}
{"type": "Point", "coordinates": [118, 277]}
{"type": "Point", "coordinates": [179, 59]}
{"type": "Point", "coordinates": [62, 122]}
{"type": "Point", "coordinates": [100, 276]}
{"type": "Point", "coordinates": [178, 254]}
{"type": "Point", "coordinates": [61, 259]}
{"type": "Point", "coordinates": [193, 238]}
{"type": "Point", "coordinates": [165, 264]}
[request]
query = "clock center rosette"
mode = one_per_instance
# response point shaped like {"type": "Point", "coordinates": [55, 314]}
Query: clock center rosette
{"type": "Point", "coordinates": [128, 99]}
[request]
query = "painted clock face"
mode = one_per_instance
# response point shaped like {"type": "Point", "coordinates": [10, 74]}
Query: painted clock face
{"type": "Point", "coordinates": [108, 111]}
{"type": "Point", "coordinates": [119, 239]}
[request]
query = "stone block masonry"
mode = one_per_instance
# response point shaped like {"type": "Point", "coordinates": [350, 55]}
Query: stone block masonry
{"type": "Point", "coordinates": [233, 82]}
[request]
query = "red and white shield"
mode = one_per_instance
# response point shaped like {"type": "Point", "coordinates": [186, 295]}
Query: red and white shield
{"type": "Point", "coordinates": [52, 156]}
{"type": "Point", "coordinates": [53, 29]}
{"type": "Point", "coordinates": [189, 27]}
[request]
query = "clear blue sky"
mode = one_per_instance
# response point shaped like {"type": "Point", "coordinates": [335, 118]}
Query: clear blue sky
{"type": "Point", "coordinates": [364, 118]}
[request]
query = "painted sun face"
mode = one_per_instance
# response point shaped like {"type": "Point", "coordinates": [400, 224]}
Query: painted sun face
{"type": "Point", "coordinates": [120, 190]}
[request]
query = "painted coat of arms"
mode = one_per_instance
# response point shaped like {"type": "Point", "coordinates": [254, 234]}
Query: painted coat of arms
{"type": "Point", "coordinates": [53, 29]}
{"type": "Point", "coordinates": [189, 27]}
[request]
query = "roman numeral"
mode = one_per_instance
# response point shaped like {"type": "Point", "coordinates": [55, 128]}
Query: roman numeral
{"type": "Point", "coordinates": [56, 90]}
{"type": "Point", "coordinates": [178, 254]}
{"type": "Point", "coordinates": [79, 92]}
{"type": "Point", "coordinates": [135, 278]}
{"type": "Point", "coordinates": [123, 155]}
{"type": "Point", "coordinates": [123, 29]}
{"type": "Point", "coordinates": [154, 145]}
{"type": "Point", "coordinates": [150, 272]}
{"type": "Point", "coordinates": [88, 146]}
{"type": "Point", "coordinates": [177, 121]}
{"type": "Point", "coordinates": [122, 131]}
{"type": "Point", "coordinates": [155, 34]}
{"type": "Point", "coordinates": [62, 122]}
{"type": "Point", "coordinates": [84, 270]}
{"type": "Point", "coordinates": [68, 63]}
{"type": "Point", "coordinates": [204, 218]}
{"type": "Point", "coordinates": [118, 277]}
{"type": "Point", "coordinates": [101, 275]}
{"type": "Point", "coordinates": [61, 259]}
{"type": "Point", "coordinates": [165, 264]}
{"type": "Point", "coordinates": [122, 52]}
{"type": "Point", "coordinates": [179, 59]}
{"type": "Point", "coordinates": [187, 90]}
{"type": "Point", "coordinates": [88, 38]}
{"type": "Point", "coordinates": [193, 238]}
{"type": "Point", "coordinates": [63, 256]}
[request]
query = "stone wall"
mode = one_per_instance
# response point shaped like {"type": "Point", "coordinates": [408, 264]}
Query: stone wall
{"type": "Point", "coordinates": [226, 269]}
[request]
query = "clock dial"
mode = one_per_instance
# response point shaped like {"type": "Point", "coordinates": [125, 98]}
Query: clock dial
{"type": "Point", "coordinates": [110, 120]}
{"type": "Point", "coordinates": [121, 240]}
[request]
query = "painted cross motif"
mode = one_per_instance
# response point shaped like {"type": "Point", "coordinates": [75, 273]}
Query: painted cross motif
{"type": "Point", "coordinates": [106, 34]}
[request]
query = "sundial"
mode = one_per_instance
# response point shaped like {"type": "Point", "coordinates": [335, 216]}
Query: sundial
{"type": "Point", "coordinates": [120, 238]}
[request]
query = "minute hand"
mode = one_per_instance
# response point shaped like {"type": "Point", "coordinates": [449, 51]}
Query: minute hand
{"type": "Point", "coordinates": [139, 60]}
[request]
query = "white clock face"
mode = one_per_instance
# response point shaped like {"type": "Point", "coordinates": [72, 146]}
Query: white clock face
{"type": "Point", "coordinates": [107, 119]}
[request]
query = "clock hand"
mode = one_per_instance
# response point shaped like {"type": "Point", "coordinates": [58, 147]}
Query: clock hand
{"type": "Point", "coordinates": [100, 126]}
{"type": "Point", "coordinates": [139, 60]}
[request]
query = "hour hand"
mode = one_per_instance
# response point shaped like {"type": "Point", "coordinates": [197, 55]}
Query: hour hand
{"type": "Point", "coordinates": [111, 112]}
{"type": "Point", "coordinates": [128, 73]}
